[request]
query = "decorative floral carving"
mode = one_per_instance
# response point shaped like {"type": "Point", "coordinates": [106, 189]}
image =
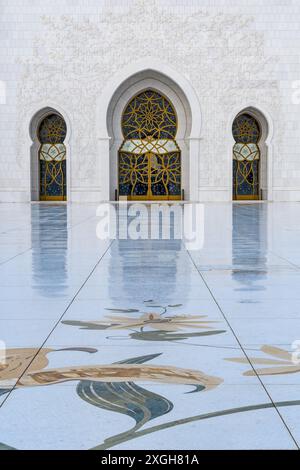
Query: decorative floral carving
{"type": "Point", "coordinates": [221, 54]}
{"type": "Point", "coordinates": [282, 364]}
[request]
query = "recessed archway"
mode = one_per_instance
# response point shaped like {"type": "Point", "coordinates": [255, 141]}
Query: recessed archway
{"type": "Point", "coordinates": [126, 84]}
{"type": "Point", "coordinates": [49, 168]}
{"type": "Point", "coordinates": [253, 153]}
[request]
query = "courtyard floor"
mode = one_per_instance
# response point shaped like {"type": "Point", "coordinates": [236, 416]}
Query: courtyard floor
{"type": "Point", "coordinates": [150, 344]}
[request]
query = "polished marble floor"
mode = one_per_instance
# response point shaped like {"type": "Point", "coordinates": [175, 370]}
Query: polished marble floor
{"type": "Point", "coordinates": [149, 344]}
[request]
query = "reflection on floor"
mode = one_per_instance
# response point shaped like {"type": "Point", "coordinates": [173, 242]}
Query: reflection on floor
{"type": "Point", "coordinates": [150, 343]}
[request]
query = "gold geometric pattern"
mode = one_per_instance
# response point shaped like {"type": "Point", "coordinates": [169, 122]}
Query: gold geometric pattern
{"type": "Point", "coordinates": [149, 114]}
{"type": "Point", "coordinates": [53, 171]}
{"type": "Point", "coordinates": [149, 157]}
{"type": "Point", "coordinates": [51, 152]}
{"type": "Point", "coordinates": [247, 152]}
{"type": "Point", "coordinates": [158, 146]}
{"type": "Point", "coordinates": [133, 169]}
{"type": "Point", "coordinates": [245, 129]}
{"type": "Point", "coordinates": [246, 155]}
{"type": "Point", "coordinates": [52, 158]}
{"type": "Point", "coordinates": [165, 169]}
{"type": "Point", "coordinates": [244, 174]}
{"type": "Point", "coordinates": [52, 130]}
{"type": "Point", "coordinates": [150, 170]}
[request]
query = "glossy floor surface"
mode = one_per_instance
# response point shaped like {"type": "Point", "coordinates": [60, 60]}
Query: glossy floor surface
{"type": "Point", "coordinates": [150, 344]}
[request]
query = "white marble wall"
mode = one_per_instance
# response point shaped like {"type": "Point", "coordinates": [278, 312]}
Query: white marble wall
{"type": "Point", "coordinates": [234, 53]}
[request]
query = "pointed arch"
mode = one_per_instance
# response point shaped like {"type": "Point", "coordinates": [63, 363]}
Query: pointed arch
{"type": "Point", "coordinates": [148, 73]}
{"type": "Point", "coordinates": [265, 122]}
{"type": "Point", "coordinates": [37, 117]}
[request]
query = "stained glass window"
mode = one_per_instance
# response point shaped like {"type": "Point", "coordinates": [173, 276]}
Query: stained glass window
{"type": "Point", "coordinates": [246, 155]}
{"type": "Point", "coordinates": [149, 114]}
{"type": "Point", "coordinates": [245, 129]}
{"type": "Point", "coordinates": [52, 155]}
{"type": "Point", "coordinates": [52, 130]}
{"type": "Point", "coordinates": [149, 157]}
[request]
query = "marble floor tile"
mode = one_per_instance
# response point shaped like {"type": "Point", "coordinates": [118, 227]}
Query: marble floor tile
{"type": "Point", "coordinates": [61, 410]}
{"type": "Point", "coordinates": [263, 309]}
{"type": "Point", "coordinates": [27, 333]}
{"type": "Point", "coordinates": [32, 309]}
{"type": "Point", "coordinates": [273, 330]}
{"type": "Point", "coordinates": [136, 344]}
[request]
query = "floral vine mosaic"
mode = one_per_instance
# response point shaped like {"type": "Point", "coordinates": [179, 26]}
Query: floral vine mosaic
{"type": "Point", "coordinates": [115, 387]}
{"type": "Point", "coordinates": [156, 323]}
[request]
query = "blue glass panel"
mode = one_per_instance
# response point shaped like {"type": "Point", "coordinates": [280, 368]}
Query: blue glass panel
{"type": "Point", "coordinates": [52, 179]}
{"type": "Point", "coordinates": [245, 178]}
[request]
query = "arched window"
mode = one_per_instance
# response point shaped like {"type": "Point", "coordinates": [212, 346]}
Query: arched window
{"type": "Point", "coordinates": [149, 157]}
{"type": "Point", "coordinates": [246, 156]}
{"type": "Point", "coordinates": [52, 158]}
